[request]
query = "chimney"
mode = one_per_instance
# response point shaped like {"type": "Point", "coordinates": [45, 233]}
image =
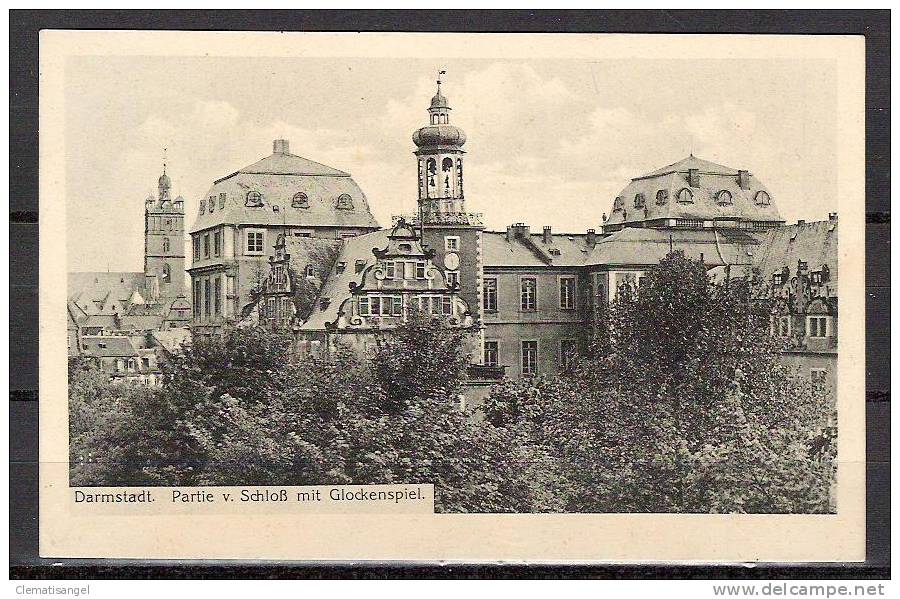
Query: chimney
{"type": "Point", "coordinates": [693, 177]}
{"type": "Point", "coordinates": [548, 235]}
{"type": "Point", "coordinates": [281, 146]}
{"type": "Point", "coordinates": [517, 230]}
{"type": "Point", "coordinates": [832, 216]}
{"type": "Point", "coordinates": [800, 223]}
{"type": "Point", "coordinates": [591, 237]}
{"type": "Point", "coordinates": [743, 179]}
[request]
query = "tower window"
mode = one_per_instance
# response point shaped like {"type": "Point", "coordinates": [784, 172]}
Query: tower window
{"type": "Point", "coordinates": [166, 274]}
{"type": "Point", "coordinates": [451, 243]}
{"type": "Point", "coordinates": [166, 244]}
{"type": "Point", "coordinates": [254, 199]}
{"type": "Point", "coordinates": [300, 200]}
{"type": "Point", "coordinates": [345, 202]}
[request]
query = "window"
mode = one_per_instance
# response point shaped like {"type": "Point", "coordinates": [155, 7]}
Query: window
{"type": "Point", "coordinates": [197, 298]}
{"type": "Point", "coordinates": [196, 247]}
{"type": "Point", "coordinates": [685, 196]}
{"type": "Point", "coordinates": [762, 198]}
{"type": "Point", "coordinates": [529, 357]}
{"type": "Point", "coordinates": [202, 207]}
{"type": "Point", "coordinates": [207, 298]}
{"type": "Point", "coordinates": [287, 309]}
{"type": "Point", "coordinates": [254, 199]}
{"type": "Point", "coordinates": [166, 244]}
{"type": "Point", "coordinates": [529, 294]}
{"type": "Point", "coordinates": [451, 243]}
{"type": "Point", "coordinates": [347, 235]}
{"type": "Point", "coordinates": [662, 196]}
{"type": "Point", "coordinates": [300, 200]}
{"type": "Point", "coordinates": [420, 270]}
{"type": "Point", "coordinates": [270, 308]}
{"type": "Point", "coordinates": [568, 349]}
{"type": "Point", "coordinates": [567, 293]}
{"type": "Point", "coordinates": [390, 270]}
{"type": "Point", "coordinates": [299, 233]}
{"type": "Point", "coordinates": [452, 279]}
{"type": "Point", "coordinates": [724, 198]}
{"type": "Point", "coordinates": [359, 266]}
{"type": "Point", "coordinates": [815, 277]}
{"type": "Point", "coordinates": [618, 204]}
{"type": "Point", "coordinates": [600, 298]}
{"type": "Point", "coordinates": [446, 305]}
{"type": "Point", "coordinates": [490, 295]}
{"type": "Point", "coordinates": [818, 326]}
{"type": "Point", "coordinates": [255, 241]}
{"type": "Point", "coordinates": [221, 201]}
{"type": "Point", "coordinates": [639, 200]}
{"type": "Point", "coordinates": [212, 204]}
{"type": "Point", "coordinates": [344, 202]}
{"type": "Point", "coordinates": [818, 376]}
{"type": "Point", "coordinates": [778, 278]}
{"type": "Point", "coordinates": [167, 274]}
{"type": "Point", "coordinates": [206, 246]}
{"type": "Point", "coordinates": [781, 326]}
{"type": "Point", "coordinates": [491, 353]}
{"type": "Point", "coordinates": [217, 243]}
{"type": "Point", "coordinates": [363, 306]}
{"type": "Point", "coordinates": [341, 267]}
{"type": "Point", "coordinates": [310, 270]}
{"type": "Point", "coordinates": [218, 295]}
{"type": "Point", "coordinates": [146, 363]}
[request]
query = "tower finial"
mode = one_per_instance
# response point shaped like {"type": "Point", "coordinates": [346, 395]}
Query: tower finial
{"type": "Point", "coordinates": [164, 160]}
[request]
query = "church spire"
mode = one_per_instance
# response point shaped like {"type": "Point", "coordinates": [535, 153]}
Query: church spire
{"type": "Point", "coordinates": [165, 184]}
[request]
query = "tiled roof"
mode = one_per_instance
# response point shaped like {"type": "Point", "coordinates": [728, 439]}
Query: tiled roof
{"type": "Point", "coordinates": [311, 250]}
{"type": "Point", "coordinates": [563, 250]}
{"type": "Point", "coordinates": [814, 243]}
{"type": "Point", "coordinates": [106, 321]}
{"type": "Point", "coordinates": [637, 246]}
{"type": "Point", "coordinates": [108, 346]}
{"type": "Point", "coordinates": [713, 179]}
{"type": "Point", "coordinates": [337, 286]}
{"type": "Point", "coordinates": [172, 339]}
{"type": "Point", "coordinates": [98, 292]}
{"type": "Point", "coordinates": [279, 178]}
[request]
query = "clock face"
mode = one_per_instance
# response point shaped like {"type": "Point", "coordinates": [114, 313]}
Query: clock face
{"type": "Point", "coordinates": [451, 260]}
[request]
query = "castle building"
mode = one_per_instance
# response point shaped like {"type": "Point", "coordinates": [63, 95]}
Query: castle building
{"type": "Point", "coordinates": [532, 298]}
{"type": "Point", "coordinates": [245, 212]}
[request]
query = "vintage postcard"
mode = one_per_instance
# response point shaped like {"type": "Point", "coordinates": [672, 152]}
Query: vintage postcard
{"type": "Point", "coordinates": [540, 298]}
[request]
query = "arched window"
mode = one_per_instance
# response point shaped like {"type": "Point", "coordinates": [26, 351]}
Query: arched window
{"type": "Point", "coordinates": [300, 200]}
{"type": "Point", "coordinates": [447, 176]}
{"type": "Point", "coordinates": [762, 198]}
{"type": "Point", "coordinates": [254, 199]}
{"type": "Point", "coordinates": [662, 196]}
{"type": "Point", "coordinates": [167, 274]}
{"type": "Point", "coordinates": [431, 176]}
{"type": "Point", "coordinates": [345, 202]}
{"type": "Point", "coordinates": [639, 200]}
{"type": "Point", "coordinates": [212, 204]}
{"type": "Point", "coordinates": [618, 204]}
{"type": "Point", "coordinates": [724, 198]}
{"type": "Point", "coordinates": [459, 177]}
{"type": "Point", "coordinates": [166, 244]}
{"type": "Point", "coordinates": [685, 196]}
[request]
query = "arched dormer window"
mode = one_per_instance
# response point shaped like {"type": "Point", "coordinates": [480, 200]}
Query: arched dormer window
{"type": "Point", "coordinates": [344, 202]}
{"type": "Point", "coordinates": [254, 199]}
{"type": "Point", "coordinates": [762, 198]}
{"type": "Point", "coordinates": [618, 204]}
{"type": "Point", "coordinates": [166, 274]}
{"type": "Point", "coordinates": [166, 244]}
{"type": "Point", "coordinates": [639, 201]}
{"type": "Point", "coordinates": [662, 196]}
{"type": "Point", "coordinates": [685, 196]}
{"type": "Point", "coordinates": [724, 198]}
{"type": "Point", "coordinates": [300, 200]}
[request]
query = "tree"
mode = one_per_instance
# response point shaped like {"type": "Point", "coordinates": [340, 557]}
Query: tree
{"type": "Point", "coordinates": [681, 405]}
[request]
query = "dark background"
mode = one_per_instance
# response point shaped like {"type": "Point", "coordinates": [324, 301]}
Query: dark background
{"type": "Point", "coordinates": [24, 26]}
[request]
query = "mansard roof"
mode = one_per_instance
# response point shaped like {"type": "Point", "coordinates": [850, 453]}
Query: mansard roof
{"type": "Point", "coordinates": [293, 191]}
{"type": "Point", "coordinates": [638, 247]}
{"type": "Point", "coordinates": [659, 191]}
{"type": "Point", "coordinates": [813, 243]}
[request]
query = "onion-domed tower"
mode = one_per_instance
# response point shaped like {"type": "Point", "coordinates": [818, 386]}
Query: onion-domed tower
{"type": "Point", "coordinates": [440, 159]}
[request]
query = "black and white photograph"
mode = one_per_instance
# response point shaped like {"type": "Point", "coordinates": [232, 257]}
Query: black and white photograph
{"type": "Point", "coordinates": [454, 277]}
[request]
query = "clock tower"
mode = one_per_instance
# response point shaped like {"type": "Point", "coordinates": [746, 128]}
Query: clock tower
{"type": "Point", "coordinates": [445, 226]}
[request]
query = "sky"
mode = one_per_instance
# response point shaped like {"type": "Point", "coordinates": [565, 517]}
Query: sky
{"type": "Point", "coordinates": [550, 142]}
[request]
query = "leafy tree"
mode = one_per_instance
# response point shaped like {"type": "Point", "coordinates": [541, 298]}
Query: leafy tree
{"type": "Point", "coordinates": [681, 405]}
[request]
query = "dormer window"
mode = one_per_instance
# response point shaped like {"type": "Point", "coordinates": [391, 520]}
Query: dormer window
{"type": "Point", "coordinates": [639, 201]}
{"type": "Point", "coordinates": [360, 265]}
{"type": "Point", "coordinates": [310, 271]}
{"type": "Point", "coordinates": [762, 198]}
{"type": "Point", "coordinates": [778, 278]}
{"type": "Point", "coordinates": [300, 200]}
{"type": "Point", "coordinates": [618, 204]}
{"type": "Point", "coordinates": [212, 204]}
{"type": "Point", "coordinates": [254, 199]}
{"type": "Point", "coordinates": [405, 247]}
{"type": "Point", "coordinates": [341, 267]}
{"type": "Point", "coordinates": [344, 202]}
{"type": "Point", "coordinates": [202, 206]}
{"type": "Point", "coordinates": [685, 196]}
{"type": "Point", "coordinates": [724, 198]}
{"type": "Point", "coordinates": [221, 201]}
{"type": "Point", "coordinates": [662, 196]}
{"type": "Point", "coordinates": [815, 277]}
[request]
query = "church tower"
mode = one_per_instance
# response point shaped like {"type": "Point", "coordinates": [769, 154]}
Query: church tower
{"type": "Point", "coordinates": [454, 234]}
{"type": "Point", "coordinates": [163, 242]}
